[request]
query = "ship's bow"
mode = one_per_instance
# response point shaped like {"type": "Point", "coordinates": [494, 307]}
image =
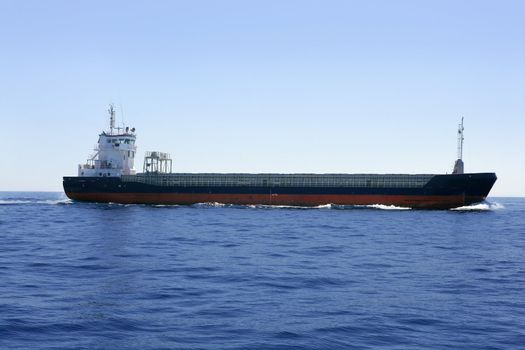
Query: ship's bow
{"type": "Point", "coordinates": [462, 189]}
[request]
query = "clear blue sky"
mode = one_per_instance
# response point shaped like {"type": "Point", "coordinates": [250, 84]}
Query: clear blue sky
{"type": "Point", "coordinates": [265, 86]}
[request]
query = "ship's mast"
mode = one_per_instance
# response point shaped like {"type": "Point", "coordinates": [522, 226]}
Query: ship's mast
{"type": "Point", "coordinates": [460, 139]}
{"type": "Point", "coordinates": [458, 165]}
{"type": "Point", "coordinates": [111, 112]}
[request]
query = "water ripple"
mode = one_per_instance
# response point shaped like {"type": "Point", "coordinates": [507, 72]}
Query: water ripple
{"type": "Point", "coordinates": [210, 276]}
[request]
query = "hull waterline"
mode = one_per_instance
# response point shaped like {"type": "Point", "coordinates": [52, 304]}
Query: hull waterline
{"type": "Point", "coordinates": [421, 202]}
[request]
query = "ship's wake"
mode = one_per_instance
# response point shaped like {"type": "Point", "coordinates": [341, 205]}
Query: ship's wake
{"type": "Point", "coordinates": [485, 206]}
{"type": "Point", "coordinates": [385, 207]}
{"type": "Point", "coordinates": [329, 206]}
{"type": "Point", "coordinates": [35, 201]}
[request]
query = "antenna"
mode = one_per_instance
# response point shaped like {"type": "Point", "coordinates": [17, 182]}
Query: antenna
{"type": "Point", "coordinates": [111, 112]}
{"type": "Point", "coordinates": [460, 139]}
{"type": "Point", "coordinates": [458, 165]}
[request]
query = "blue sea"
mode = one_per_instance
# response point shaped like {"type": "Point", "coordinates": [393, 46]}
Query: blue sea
{"type": "Point", "coordinates": [211, 276]}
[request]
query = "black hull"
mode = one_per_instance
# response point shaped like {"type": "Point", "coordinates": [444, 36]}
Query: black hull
{"type": "Point", "coordinates": [440, 192]}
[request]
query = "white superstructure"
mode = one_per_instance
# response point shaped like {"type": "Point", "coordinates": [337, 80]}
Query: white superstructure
{"type": "Point", "coordinates": [114, 154]}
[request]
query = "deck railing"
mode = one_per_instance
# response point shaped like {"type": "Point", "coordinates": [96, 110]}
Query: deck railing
{"type": "Point", "coordinates": [281, 180]}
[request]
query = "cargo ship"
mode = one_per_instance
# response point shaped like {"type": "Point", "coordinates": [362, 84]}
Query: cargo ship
{"type": "Point", "coordinates": [109, 176]}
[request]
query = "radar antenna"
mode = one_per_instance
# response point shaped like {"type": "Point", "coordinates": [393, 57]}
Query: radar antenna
{"type": "Point", "coordinates": [111, 112]}
{"type": "Point", "coordinates": [459, 166]}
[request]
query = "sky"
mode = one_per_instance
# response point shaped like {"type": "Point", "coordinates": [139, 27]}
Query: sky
{"type": "Point", "coordinates": [265, 86]}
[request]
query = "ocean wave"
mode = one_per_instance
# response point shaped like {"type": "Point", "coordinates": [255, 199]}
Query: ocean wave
{"type": "Point", "coordinates": [57, 201]}
{"type": "Point", "coordinates": [330, 206]}
{"type": "Point", "coordinates": [272, 206]}
{"type": "Point", "coordinates": [165, 205]}
{"type": "Point", "coordinates": [34, 201]}
{"type": "Point", "coordinates": [369, 206]}
{"type": "Point", "coordinates": [386, 207]}
{"type": "Point", "coordinates": [211, 205]}
{"type": "Point", "coordinates": [480, 207]}
{"type": "Point", "coordinates": [14, 201]}
{"type": "Point", "coordinates": [254, 206]}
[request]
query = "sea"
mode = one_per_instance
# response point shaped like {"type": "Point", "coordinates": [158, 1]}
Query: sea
{"type": "Point", "coordinates": [212, 276]}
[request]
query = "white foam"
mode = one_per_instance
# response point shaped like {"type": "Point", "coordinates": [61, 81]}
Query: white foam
{"type": "Point", "coordinates": [386, 207]}
{"type": "Point", "coordinates": [56, 201]}
{"type": "Point", "coordinates": [322, 206]}
{"type": "Point", "coordinates": [274, 206]}
{"type": "Point", "coordinates": [380, 207]}
{"type": "Point", "coordinates": [14, 201]}
{"type": "Point", "coordinates": [34, 201]}
{"type": "Point", "coordinates": [326, 206]}
{"type": "Point", "coordinates": [263, 206]}
{"type": "Point", "coordinates": [269, 206]}
{"type": "Point", "coordinates": [117, 204]}
{"type": "Point", "coordinates": [210, 204]}
{"type": "Point", "coordinates": [480, 207]}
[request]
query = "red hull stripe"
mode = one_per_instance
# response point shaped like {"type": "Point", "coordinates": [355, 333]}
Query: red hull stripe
{"type": "Point", "coordinates": [277, 199]}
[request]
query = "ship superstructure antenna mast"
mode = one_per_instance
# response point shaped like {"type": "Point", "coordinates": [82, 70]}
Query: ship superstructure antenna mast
{"type": "Point", "coordinates": [460, 139]}
{"type": "Point", "coordinates": [111, 112]}
{"type": "Point", "coordinates": [459, 166]}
